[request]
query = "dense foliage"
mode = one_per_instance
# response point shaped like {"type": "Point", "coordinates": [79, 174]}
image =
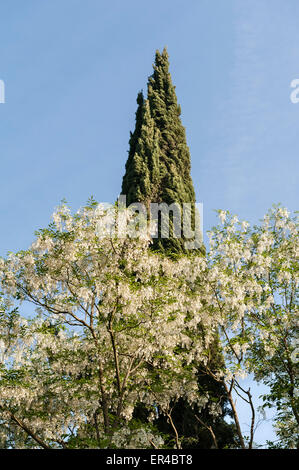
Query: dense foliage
{"type": "Point", "coordinates": [158, 165]}
{"type": "Point", "coordinates": [118, 325]}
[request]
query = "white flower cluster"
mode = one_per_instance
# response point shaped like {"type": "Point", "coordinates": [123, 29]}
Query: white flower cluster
{"type": "Point", "coordinates": [121, 325]}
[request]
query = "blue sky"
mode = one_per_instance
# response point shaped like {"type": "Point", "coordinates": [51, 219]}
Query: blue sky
{"type": "Point", "coordinates": [72, 70]}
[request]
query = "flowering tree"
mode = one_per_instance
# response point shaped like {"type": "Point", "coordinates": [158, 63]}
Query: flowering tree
{"type": "Point", "coordinates": [131, 319]}
{"type": "Point", "coordinates": [118, 326]}
{"type": "Point", "coordinates": [253, 287]}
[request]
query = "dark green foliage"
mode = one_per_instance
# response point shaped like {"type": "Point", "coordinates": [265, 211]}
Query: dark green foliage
{"type": "Point", "coordinates": [158, 165]}
{"type": "Point", "coordinates": [158, 171]}
{"type": "Point", "coordinates": [141, 180]}
{"type": "Point", "coordinates": [194, 425]}
{"type": "Point", "coordinates": [175, 180]}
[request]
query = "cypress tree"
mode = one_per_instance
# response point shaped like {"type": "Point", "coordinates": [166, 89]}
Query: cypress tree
{"type": "Point", "coordinates": [141, 180]}
{"type": "Point", "coordinates": [158, 165]}
{"type": "Point", "coordinates": [176, 184]}
{"type": "Point", "coordinates": [158, 170]}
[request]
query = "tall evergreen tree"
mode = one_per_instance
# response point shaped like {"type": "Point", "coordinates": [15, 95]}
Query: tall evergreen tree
{"type": "Point", "coordinates": [158, 170]}
{"type": "Point", "coordinates": [158, 165]}
{"type": "Point", "coordinates": [175, 180]}
{"type": "Point", "coordinates": [141, 180]}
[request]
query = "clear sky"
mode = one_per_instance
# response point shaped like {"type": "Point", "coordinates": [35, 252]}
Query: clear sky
{"type": "Point", "coordinates": [72, 70]}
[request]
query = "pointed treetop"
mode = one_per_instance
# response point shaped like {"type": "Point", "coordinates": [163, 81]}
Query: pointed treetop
{"type": "Point", "coordinates": [140, 181]}
{"type": "Point", "coordinates": [158, 165]}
